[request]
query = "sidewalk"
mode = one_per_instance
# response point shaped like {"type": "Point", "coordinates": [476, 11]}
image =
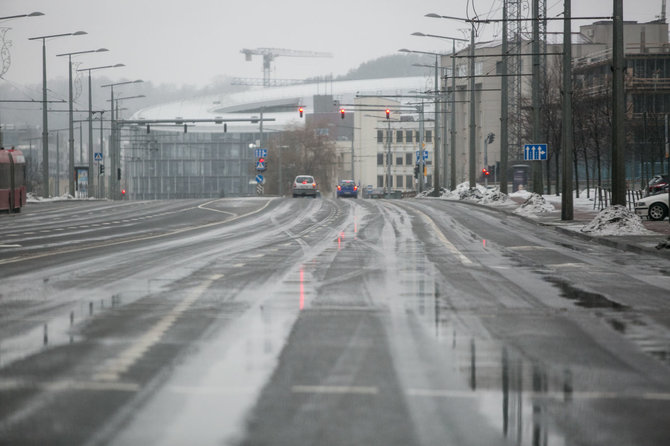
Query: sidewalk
{"type": "Point", "coordinates": [639, 243]}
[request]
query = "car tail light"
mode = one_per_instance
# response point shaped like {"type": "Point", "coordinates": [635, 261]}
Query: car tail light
{"type": "Point", "coordinates": [304, 182]}
{"type": "Point", "coordinates": [355, 188]}
{"type": "Point", "coordinates": [314, 185]}
{"type": "Point", "coordinates": [339, 187]}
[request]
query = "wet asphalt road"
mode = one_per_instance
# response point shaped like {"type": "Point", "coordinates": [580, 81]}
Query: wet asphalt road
{"type": "Point", "coordinates": [313, 322]}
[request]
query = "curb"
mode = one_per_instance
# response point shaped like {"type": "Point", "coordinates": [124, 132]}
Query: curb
{"type": "Point", "coordinates": [620, 245]}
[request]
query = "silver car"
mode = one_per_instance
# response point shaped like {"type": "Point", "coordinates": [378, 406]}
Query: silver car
{"type": "Point", "coordinates": [304, 185]}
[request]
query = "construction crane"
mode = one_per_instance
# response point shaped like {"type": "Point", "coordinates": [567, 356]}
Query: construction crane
{"type": "Point", "coordinates": [269, 55]}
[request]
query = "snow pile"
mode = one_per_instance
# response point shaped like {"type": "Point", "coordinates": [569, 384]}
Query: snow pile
{"type": "Point", "coordinates": [615, 220]}
{"type": "Point", "coordinates": [535, 205]}
{"type": "Point", "coordinates": [479, 194]}
{"type": "Point", "coordinates": [32, 198]}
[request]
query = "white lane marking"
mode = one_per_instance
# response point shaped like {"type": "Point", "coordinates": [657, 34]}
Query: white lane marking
{"type": "Point", "coordinates": [566, 265]}
{"type": "Point", "coordinates": [212, 390]}
{"type": "Point", "coordinates": [12, 235]}
{"type": "Point", "coordinates": [526, 248]}
{"type": "Point", "coordinates": [114, 367]}
{"type": "Point", "coordinates": [239, 265]}
{"type": "Point", "coordinates": [450, 246]}
{"type": "Point", "coordinates": [28, 233]}
{"type": "Point", "coordinates": [355, 390]}
{"type": "Point", "coordinates": [54, 386]}
{"type": "Point", "coordinates": [46, 231]}
{"type": "Point", "coordinates": [10, 246]}
{"type": "Point", "coordinates": [122, 242]}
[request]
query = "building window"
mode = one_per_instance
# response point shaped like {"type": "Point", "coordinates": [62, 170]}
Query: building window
{"type": "Point", "coordinates": [408, 159]}
{"type": "Point", "coordinates": [409, 181]}
{"type": "Point", "coordinates": [429, 136]}
{"type": "Point", "coordinates": [398, 160]}
{"type": "Point", "coordinates": [418, 136]}
{"type": "Point", "coordinates": [399, 181]}
{"type": "Point", "coordinates": [390, 178]}
{"type": "Point", "coordinates": [398, 136]}
{"type": "Point", "coordinates": [408, 136]}
{"type": "Point", "coordinates": [380, 180]}
{"type": "Point", "coordinates": [380, 159]}
{"type": "Point", "coordinates": [380, 136]}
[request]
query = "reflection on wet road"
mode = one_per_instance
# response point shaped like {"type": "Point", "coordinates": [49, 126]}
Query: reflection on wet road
{"type": "Point", "coordinates": [284, 322]}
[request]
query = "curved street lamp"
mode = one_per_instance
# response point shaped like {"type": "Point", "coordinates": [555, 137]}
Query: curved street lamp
{"type": "Point", "coordinates": [45, 117]}
{"type": "Point", "coordinates": [71, 140]}
{"type": "Point", "coordinates": [92, 190]}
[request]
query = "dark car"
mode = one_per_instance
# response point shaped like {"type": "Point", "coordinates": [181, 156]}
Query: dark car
{"type": "Point", "coordinates": [347, 188]}
{"type": "Point", "coordinates": [658, 184]}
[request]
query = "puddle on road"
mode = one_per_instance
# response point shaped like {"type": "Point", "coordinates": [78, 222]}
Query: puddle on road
{"type": "Point", "coordinates": [584, 298]}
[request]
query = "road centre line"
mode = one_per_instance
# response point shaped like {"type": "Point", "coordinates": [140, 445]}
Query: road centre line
{"type": "Point", "coordinates": [114, 367]}
{"type": "Point", "coordinates": [450, 246]}
{"type": "Point", "coordinates": [355, 390]}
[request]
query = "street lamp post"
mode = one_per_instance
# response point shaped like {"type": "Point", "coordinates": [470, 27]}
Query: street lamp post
{"type": "Point", "coordinates": [436, 170]}
{"type": "Point", "coordinates": [452, 141]}
{"type": "Point", "coordinates": [71, 140]}
{"type": "Point", "coordinates": [45, 118]}
{"type": "Point", "coordinates": [114, 146]}
{"type": "Point", "coordinates": [92, 189]}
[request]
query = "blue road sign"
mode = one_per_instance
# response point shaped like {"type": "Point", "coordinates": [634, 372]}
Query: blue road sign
{"type": "Point", "coordinates": [97, 156]}
{"type": "Point", "coordinates": [260, 166]}
{"type": "Point", "coordinates": [261, 153]}
{"type": "Point", "coordinates": [418, 156]}
{"type": "Point", "coordinates": [535, 152]}
{"type": "Point", "coordinates": [425, 154]}
{"type": "Point", "coordinates": [259, 178]}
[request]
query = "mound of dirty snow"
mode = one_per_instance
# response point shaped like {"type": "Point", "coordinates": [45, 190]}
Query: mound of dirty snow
{"type": "Point", "coordinates": [534, 205]}
{"type": "Point", "coordinates": [32, 198]}
{"type": "Point", "coordinates": [615, 220]}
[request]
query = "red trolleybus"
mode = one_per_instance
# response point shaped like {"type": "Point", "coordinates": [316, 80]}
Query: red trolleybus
{"type": "Point", "coordinates": [12, 180]}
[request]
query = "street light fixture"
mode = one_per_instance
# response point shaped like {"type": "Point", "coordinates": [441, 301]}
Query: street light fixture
{"type": "Point", "coordinates": [114, 145]}
{"type": "Point", "coordinates": [71, 140]}
{"type": "Point", "coordinates": [472, 158]}
{"type": "Point", "coordinates": [92, 190]}
{"type": "Point", "coordinates": [436, 170]}
{"type": "Point", "coordinates": [45, 118]}
{"type": "Point", "coordinates": [32, 14]}
{"type": "Point", "coordinates": [452, 141]}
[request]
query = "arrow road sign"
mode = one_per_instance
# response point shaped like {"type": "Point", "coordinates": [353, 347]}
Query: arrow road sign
{"type": "Point", "coordinates": [535, 152]}
{"type": "Point", "coordinates": [425, 154]}
{"type": "Point", "coordinates": [259, 178]}
{"type": "Point", "coordinates": [260, 153]}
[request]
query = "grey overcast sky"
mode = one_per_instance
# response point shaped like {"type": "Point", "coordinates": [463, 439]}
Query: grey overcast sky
{"type": "Point", "coordinates": [193, 42]}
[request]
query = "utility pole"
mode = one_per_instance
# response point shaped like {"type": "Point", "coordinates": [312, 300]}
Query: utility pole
{"type": "Point", "coordinates": [504, 106]}
{"type": "Point", "coordinates": [618, 104]}
{"type": "Point", "coordinates": [452, 186]}
{"type": "Point", "coordinates": [436, 137]}
{"type": "Point", "coordinates": [473, 124]}
{"type": "Point", "coordinates": [536, 165]}
{"type": "Point", "coordinates": [567, 211]}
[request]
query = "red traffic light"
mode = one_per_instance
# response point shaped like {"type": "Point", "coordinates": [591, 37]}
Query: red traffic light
{"type": "Point", "coordinates": [485, 171]}
{"type": "Point", "coordinates": [123, 192]}
{"type": "Point", "coordinates": [342, 113]}
{"type": "Point", "coordinates": [388, 113]}
{"type": "Point", "coordinates": [300, 110]}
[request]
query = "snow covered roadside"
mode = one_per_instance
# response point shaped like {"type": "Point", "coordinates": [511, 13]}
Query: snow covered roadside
{"type": "Point", "coordinates": [611, 221]}
{"type": "Point", "coordinates": [31, 198]}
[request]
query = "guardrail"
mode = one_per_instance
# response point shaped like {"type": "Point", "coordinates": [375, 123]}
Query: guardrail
{"type": "Point", "coordinates": [603, 197]}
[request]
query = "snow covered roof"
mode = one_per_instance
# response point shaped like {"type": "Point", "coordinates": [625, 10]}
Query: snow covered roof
{"type": "Point", "coordinates": [280, 103]}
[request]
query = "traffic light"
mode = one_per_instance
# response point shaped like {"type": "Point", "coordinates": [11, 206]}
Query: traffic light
{"type": "Point", "coordinates": [416, 171]}
{"type": "Point", "coordinates": [102, 169]}
{"type": "Point", "coordinates": [485, 172]}
{"type": "Point", "coordinates": [300, 110]}
{"type": "Point", "coordinates": [118, 173]}
{"type": "Point", "coordinates": [342, 113]}
{"type": "Point", "coordinates": [388, 114]}
{"type": "Point", "coordinates": [261, 165]}
{"type": "Point", "coordinates": [123, 192]}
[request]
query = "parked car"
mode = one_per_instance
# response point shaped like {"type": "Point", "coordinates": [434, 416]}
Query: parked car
{"type": "Point", "coordinates": [654, 206]}
{"type": "Point", "coordinates": [658, 184]}
{"type": "Point", "coordinates": [304, 186]}
{"type": "Point", "coordinates": [347, 188]}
